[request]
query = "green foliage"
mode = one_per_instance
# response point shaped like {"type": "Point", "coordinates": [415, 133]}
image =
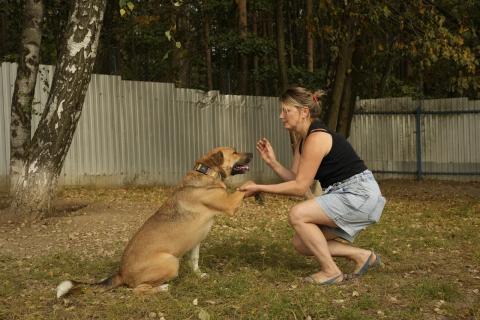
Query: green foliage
{"type": "Point", "coordinates": [10, 28]}
{"type": "Point", "coordinates": [420, 48]}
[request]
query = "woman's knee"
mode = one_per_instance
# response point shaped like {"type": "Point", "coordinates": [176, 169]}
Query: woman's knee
{"type": "Point", "coordinates": [295, 215]}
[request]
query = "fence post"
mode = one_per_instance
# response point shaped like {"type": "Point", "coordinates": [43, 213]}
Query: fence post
{"type": "Point", "coordinates": [418, 125]}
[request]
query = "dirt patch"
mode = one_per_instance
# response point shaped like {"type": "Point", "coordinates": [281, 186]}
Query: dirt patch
{"type": "Point", "coordinates": [97, 220]}
{"type": "Point", "coordinates": [92, 221]}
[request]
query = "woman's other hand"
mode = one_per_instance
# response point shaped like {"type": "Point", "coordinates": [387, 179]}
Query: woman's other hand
{"type": "Point", "coordinates": [266, 151]}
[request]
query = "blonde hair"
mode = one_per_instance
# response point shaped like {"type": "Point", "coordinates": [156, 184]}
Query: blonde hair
{"type": "Point", "coordinates": [303, 98]}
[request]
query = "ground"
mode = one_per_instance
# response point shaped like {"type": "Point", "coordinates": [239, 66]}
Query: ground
{"type": "Point", "coordinates": [428, 239]}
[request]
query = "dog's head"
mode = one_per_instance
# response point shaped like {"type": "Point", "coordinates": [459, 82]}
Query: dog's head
{"type": "Point", "coordinates": [226, 161]}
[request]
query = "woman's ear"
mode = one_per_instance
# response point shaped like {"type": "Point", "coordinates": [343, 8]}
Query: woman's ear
{"type": "Point", "coordinates": [305, 112]}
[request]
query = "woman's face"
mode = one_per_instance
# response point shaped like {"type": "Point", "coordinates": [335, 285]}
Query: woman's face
{"type": "Point", "coordinates": [292, 116]}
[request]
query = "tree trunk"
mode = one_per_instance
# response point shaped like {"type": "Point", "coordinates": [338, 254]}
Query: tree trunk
{"type": "Point", "coordinates": [52, 139]}
{"type": "Point", "coordinates": [256, 68]}
{"type": "Point", "coordinates": [290, 25]}
{"type": "Point", "coordinates": [208, 51]}
{"type": "Point", "coordinates": [106, 57]}
{"type": "Point", "coordinates": [182, 55]}
{"type": "Point", "coordinates": [270, 86]}
{"type": "Point", "coordinates": [350, 90]}
{"type": "Point", "coordinates": [3, 33]}
{"type": "Point", "coordinates": [309, 27]}
{"type": "Point", "coordinates": [346, 110]}
{"type": "Point", "coordinates": [282, 63]}
{"type": "Point", "coordinates": [344, 63]}
{"type": "Point", "coordinates": [21, 113]}
{"type": "Point", "coordinates": [242, 23]}
{"type": "Point", "coordinates": [385, 76]}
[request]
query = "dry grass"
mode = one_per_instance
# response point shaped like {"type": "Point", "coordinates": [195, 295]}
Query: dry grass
{"type": "Point", "coordinates": [428, 239]}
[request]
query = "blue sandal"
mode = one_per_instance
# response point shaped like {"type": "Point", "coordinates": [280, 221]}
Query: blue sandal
{"type": "Point", "coordinates": [333, 280]}
{"type": "Point", "coordinates": [367, 264]}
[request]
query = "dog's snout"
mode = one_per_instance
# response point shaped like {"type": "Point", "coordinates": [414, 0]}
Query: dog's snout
{"type": "Point", "coordinates": [249, 156]}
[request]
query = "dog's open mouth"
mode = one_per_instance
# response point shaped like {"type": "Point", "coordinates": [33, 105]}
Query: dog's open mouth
{"type": "Point", "coordinates": [242, 165]}
{"type": "Point", "coordinates": [240, 169]}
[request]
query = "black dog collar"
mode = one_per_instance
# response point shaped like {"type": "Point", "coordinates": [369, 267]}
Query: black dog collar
{"type": "Point", "coordinates": [200, 167]}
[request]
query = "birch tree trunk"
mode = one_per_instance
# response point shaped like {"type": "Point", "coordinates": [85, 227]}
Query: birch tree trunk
{"type": "Point", "coordinates": [35, 191]}
{"type": "Point", "coordinates": [21, 113]}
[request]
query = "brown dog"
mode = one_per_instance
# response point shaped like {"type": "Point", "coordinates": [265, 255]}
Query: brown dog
{"type": "Point", "coordinates": [152, 256]}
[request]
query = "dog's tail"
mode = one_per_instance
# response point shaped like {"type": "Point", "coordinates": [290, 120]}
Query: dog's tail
{"type": "Point", "coordinates": [68, 285]}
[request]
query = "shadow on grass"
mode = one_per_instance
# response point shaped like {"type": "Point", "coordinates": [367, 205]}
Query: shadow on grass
{"type": "Point", "coordinates": [253, 253]}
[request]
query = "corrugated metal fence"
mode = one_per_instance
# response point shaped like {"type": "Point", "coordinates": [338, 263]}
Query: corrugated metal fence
{"type": "Point", "coordinates": [438, 138]}
{"type": "Point", "coordinates": [133, 132]}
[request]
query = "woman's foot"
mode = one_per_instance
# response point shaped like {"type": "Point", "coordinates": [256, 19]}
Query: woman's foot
{"type": "Point", "coordinates": [366, 261]}
{"type": "Point", "coordinates": [322, 279]}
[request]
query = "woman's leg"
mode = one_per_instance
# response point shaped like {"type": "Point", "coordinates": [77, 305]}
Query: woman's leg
{"type": "Point", "coordinates": [310, 240]}
{"type": "Point", "coordinates": [304, 218]}
{"type": "Point", "coordinates": [337, 249]}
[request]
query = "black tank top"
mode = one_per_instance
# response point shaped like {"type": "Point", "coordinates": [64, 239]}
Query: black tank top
{"type": "Point", "coordinates": [342, 162]}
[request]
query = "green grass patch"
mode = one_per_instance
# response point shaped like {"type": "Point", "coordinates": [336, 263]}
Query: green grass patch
{"type": "Point", "coordinates": [430, 248]}
{"type": "Point", "coordinates": [429, 289]}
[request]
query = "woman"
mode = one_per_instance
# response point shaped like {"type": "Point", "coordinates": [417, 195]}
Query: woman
{"type": "Point", "coordinates": [351, 200]}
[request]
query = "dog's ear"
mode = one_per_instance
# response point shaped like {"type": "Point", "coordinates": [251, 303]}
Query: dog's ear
{"type": "Point", "coordinates": [217, 158]}
{"type": "Point", "coordinates": [215, 161]}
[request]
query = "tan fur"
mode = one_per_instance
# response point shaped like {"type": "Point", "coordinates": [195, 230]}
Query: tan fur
{"type": "Point", "coordinates": [152, 256]}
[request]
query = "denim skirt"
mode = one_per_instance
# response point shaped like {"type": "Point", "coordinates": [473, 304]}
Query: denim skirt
{"type": "Point", "coordinates": [353, 204]}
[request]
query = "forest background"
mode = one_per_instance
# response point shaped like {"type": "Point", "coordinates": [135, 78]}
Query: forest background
{"type": "Point", "coordinates": [365, 48]}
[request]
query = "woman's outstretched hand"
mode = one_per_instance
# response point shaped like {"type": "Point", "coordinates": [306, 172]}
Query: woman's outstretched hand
{"type": "Point", "coordinates": [249, 187]}
{"type": "Point", "coordinates": [266, 151]}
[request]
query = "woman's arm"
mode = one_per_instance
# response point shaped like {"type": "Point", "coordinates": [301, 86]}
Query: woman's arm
{"type": "Point", "coordinates": [316, 146]}
{"type": "Point", "coordinates": [285, 173]}
{"type": "Point", "coordinates": [265, 150]}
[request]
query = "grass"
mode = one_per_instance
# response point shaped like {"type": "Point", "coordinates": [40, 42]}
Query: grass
{"type": "Point", "coordinates": [429, 242]}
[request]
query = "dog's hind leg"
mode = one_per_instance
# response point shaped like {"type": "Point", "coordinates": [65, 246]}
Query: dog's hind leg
{"type": "Point", "coordinates": [158, 270]}
{"type": "Point", "coordinates": [194, 255]}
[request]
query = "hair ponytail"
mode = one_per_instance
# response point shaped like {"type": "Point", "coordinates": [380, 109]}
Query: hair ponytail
{"type": "Point", "coordinates": [304, 98]}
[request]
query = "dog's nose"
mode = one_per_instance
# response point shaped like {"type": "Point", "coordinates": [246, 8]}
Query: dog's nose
{"type": "Point", "coordinates": [249, 155]}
